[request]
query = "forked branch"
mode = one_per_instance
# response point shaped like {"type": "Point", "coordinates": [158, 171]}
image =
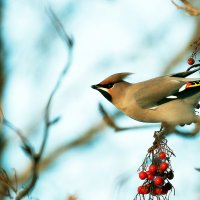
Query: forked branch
{"type": "Point", "coordinates": [27, 147]}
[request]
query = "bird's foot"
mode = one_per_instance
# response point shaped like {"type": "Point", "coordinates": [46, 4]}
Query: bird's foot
{"type": "Point", "coordinates": [158, 135]}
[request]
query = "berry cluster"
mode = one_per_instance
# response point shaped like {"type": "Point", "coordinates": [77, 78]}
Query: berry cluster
{"type": "Point", "coordinates": [196, 49]}
{"type": "Point", "coordinates": [156, 171]}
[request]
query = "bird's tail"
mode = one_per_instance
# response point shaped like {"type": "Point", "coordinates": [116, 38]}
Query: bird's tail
{"type": "Point", "coordinates": [188, 72]}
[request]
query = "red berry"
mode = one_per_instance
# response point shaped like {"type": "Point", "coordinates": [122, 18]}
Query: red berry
{"type": "Point", "coordinates": [159, 171]}
{"type": "Point", "coordinates": [143, 190]}
{"type": "Point", "coordinates": [152, 168]}
{"type": "Point", "coordinates": [162, 155]}
{"type": "Point", "coordinates": [158, 180]}
{"type": "Point", "coordinates": [163, 166]}
{"type": "Point", "coordinates": [150, 177]}
{"type": "Point", "coordinates": [158, 191]}
{"type": "Point", "coordinates": [148, 172]}
{"type": "Point", "coordinates": [190, 61]}
{"type": "Point", "coordinates": [142, 175]}
{"type": "Point", "coordinates": [139, 190]}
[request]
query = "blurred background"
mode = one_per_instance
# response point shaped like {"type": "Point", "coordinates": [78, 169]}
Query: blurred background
{"type": "Point", "coordinates": [149, 38]}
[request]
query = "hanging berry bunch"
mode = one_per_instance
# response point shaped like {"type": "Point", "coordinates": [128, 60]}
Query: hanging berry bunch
{"type": "Point", "coordinates": [156, 171]}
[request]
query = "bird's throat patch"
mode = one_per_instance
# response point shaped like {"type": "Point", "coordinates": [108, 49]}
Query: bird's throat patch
{"type": "Point", "coordinates": [105, 94]}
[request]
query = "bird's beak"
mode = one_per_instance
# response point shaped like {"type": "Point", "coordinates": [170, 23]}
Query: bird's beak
{"type": "Point", "coordinates": [103, 91]}
{"type": "Point", "coordinates": [96, 87]}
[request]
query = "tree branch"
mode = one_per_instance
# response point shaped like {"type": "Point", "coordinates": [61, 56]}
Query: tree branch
{"type": "Point", "coordinates": [188, 8]}
{"type": "Point", "coordinates": [86, 137]}
{"type": "Point", "coordinates": [110, 122]}
{"type": "Point", "coordinates": [48, 123]}
{"type": "Point", "coordinates": [69, 43]}
{"type": "Point", "coordinates": [27, 147]}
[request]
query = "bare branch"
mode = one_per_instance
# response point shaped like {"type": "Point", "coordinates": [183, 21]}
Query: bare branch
{"type": "Point", "coordinates": [29, 150]}
{"type": "Point", "coordinates": [31, 185]}
{"type": "Point", "coordinates": [82, 140]}
{"type": "Point", "coordinates": [110, 122]}
{"type": "Point", "coordinates": [48, 123]}
{"type": "Point", "coordinates": [188, 8]}
{"type": "Point", "coordinates": [27, 147]}
{"type": "Point", "coordinates": [7, 184]}
{"type": "Point", "coordinates": [69, 43]}
{"type": "Point", "coordinates": [86, 137]}
{"type": "Point", "coordinates": [178, 57]}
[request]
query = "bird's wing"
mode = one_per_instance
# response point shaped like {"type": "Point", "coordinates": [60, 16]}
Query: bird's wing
{"type": "Point", "coordinates": [184, 74]}
{"type": "Point", "coordinates": [155, 92]}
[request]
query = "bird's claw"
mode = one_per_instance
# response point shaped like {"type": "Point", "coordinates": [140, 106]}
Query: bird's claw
{"type": "Point", "coordinates": [158, 135]}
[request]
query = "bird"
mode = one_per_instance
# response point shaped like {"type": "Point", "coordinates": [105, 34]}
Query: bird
{"type": "Point", "coordinates": [170, 100]}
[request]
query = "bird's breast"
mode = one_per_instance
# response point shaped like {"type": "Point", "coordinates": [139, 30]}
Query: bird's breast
{"type": "Point", "coordinates": [139, 114]}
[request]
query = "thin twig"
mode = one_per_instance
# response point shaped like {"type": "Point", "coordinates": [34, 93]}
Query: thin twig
{"type": "Point", "coordinates": [193, 66]}
{"type": "Point", "coordinates": [184, 51]}
{"type": "Point", "coordinates": [188, 8]}
{"type": "Point", "coordinates": [7, 184]}
{"type": "Point", "coordinates": [36, 157]}
{"type": "Point", "coordinates": [29, 150]}
{"type": "Point", "coordinates": [69, 43]}
{"type": "Point", "coordinates": [31, 185]}
{"type": "Point", "coordinates": [27, 147]}
{"type": "Point", "coordinates": [110, 122]}
{"type": "Point", "coordinates": [48, 123]}
{"type": "Point", "coordinates": [84, 139]}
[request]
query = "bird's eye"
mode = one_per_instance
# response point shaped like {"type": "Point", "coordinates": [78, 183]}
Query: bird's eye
{"type": "Point", "coordinates": [108, 86]}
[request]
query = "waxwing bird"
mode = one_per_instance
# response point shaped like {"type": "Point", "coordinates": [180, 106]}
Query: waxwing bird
{"type": "Point", "coordinates": [170, 100]}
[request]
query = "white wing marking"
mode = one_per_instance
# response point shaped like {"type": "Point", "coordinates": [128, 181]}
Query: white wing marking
{"type": "Point", "coordinates": [172, 97]}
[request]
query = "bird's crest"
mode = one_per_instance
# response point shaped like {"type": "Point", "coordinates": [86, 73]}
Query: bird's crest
{"type": "Point", "coordinates": [115, 78]}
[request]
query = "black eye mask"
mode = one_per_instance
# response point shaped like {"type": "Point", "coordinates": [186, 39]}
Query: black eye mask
{"type": "Point", "coordinates": [107, 86]}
